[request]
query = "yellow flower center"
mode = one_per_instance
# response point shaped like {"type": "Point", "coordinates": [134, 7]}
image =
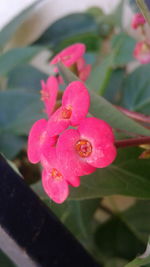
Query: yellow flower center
{"type": "Point", "coordinates": [83, 148]}
{"type": "Point", "coordinates": [56, 174]}
{"type": "Point", "coordinates": [66, 112]}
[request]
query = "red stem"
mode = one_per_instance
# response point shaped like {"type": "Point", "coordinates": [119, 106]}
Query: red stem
{"type": "Point", "coordinates": [134, 115]}
{"type": "Point", "coordinates": [132, 142]}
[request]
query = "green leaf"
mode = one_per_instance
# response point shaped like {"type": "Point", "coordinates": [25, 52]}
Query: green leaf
{"type": "Point", "coordinates": [77, 216]}
{"type": "Point", "coordinates": [116, 240]}
{"type": "Point", "coordinates": [141, 260]}
{"type": "Point", "coordinates": [16, 56]}
{"type": "Point", "coordinates": [101, 108]}
{"type": "Point", "coordinates": [67, 27]}
{"type": "Point", "coordinates": [113, 90]}
{"type": "Point", "coordinates": [8, 31]}
{"type": "Point", "coordinates": [11, 144]}
{"type": "Point", "coordinates": [123, 45]}
{"type": "Point", "coordinates": [100, 74]}
{"type": "Point", "coordinates": [136, 90]}
{"type": "Point", "coordinates": [128, 176]}
{"type": "Point", "coordinates": [25, 76]}
{"type": "Point", "coordinates": [19, 110]}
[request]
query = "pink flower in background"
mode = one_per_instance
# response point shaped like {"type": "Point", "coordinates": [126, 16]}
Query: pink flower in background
{"type": "Point", "coordinates": [137, 20]}
{"type": "Point", "coordinates": [75, 105]}
{"type": "Point", "coordinates": [69, 55]}
{"type": "Point", "coordinates": [90, 146]}
{"type": "Point", "coordinates": [49, 93]}
{"type": "Point", "coordinates": [142, 52]}
{"type": "Point", "coordinates": [55, 179]}
{"type": "Point", "coordinates": [39, 141]}
{"type": "Point", "coordinates": [72, 56]}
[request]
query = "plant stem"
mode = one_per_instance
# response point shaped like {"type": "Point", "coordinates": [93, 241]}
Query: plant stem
{"type": "Point", "coordinates": [132, 142]}
{"type": "Point", "coordinates": [134, 115]}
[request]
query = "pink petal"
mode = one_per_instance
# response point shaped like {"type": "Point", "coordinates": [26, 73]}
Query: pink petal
{"type": "Point", "coordinates": [94, 130]}
{"type": "Point", "coordinates": [36, 139]}
{"type": "Point", "coordinates": [49, 94]}
{"type": "Point", "coordinates": [85, 72]}
{"type": "Point", "coordinates": [103, 155]}
{"type": "Point", "coordinates": [56, 189]}
{"type": "Point", "coordinates": [69, 55]}
{"type": "Point", "coordinates": [77, 97]}
{"type": "Point", "coordinates": [57, 123]}
{"type": "Point", "coordinates": [50, 160]}
{"type": "Point", "coordinates": [67, 155]}
{"type": "Point", "coordinates": [101, 138]}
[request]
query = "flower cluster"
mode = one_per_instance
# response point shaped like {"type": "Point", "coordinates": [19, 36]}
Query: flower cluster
{"type": "Point", "coordinates": [68, 144]}
{"type": "Point", "coordinates": [72, 57]}
{"type": "Point", "coordinates": [142, 49]}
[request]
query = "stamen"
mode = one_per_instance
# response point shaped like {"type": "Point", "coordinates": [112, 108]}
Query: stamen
{"type": "Point", "coordinates": [83, 148]}
{"type": "Point", "coordinates": [66, 112]}
{"type": "Point", "coordinates": [56, 174]}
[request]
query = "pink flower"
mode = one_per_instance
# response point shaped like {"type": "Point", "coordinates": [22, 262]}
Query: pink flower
{"type": "Point", "coordinates": [39, 141]}
{"type": "Point", "coordinates": [55, 179]}
{"type": "Point", "coordinates": [142, 52]}
{"type": "Point", "coordinates": [72, 57]}
{"type": "Point", "coordinates": [75, 105]}
{"type": "Point", "coordinates": [137, 20]}
{"type": "Point", "coordinates": [90, 146]}
{"type": "Point", "coordinates": [69, 55]}
{"type": "Point", "coordinates": [49, 94]}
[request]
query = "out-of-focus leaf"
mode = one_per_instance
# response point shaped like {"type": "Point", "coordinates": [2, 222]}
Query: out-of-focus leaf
{"type": "Point", "coordinates": [138, 217]}
{"type": "Point", "coordinates": [19, 110]}
{"type": "Point", "coordinates": [5, 261]}
{"type": "Point", "coordinates": [95, 11]}
{"type": "Point", "coordinates": [101, 108]}
{"type": "Point", "coordinates": [115, 262]}
{"type": "Point", "coordinates": [25, 76]}
{"type": "Point", "coordinates": [123, 45]}
{"type": "Point", "coordinates": [115, 239]}
{"type": "Point", "coordinates": [91, 40]}
{"type": "Point", "coordinates": [8, 31]}
{"type": "Point", "coordinates": [77, 215]}
{"type": "Point", "coordinates": [16, 56]}
{"type": "Point", "coordinates": [141, 260]}
{"type": "Point", "coordinates": [115, 18]}
{"type": "Point", "coordinates": [68, 27]}
{"type": "Point", "coordinates": [113, 90]}
{"type": "Point", "coordinates": [134, 6]}
{"type": "Point", "coordinates": [136, 90]}
{"type": "Point", "coordinates": [11, 144]}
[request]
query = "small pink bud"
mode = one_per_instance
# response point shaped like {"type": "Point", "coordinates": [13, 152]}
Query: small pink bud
{"type": "Point", "coordinates": [137, 20]}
